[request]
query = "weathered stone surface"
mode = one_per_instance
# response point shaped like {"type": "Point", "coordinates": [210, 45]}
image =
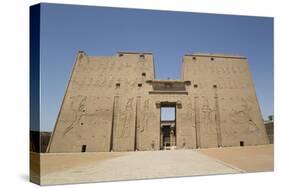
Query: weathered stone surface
{"type": "Point", "coordinates": [113, 104]}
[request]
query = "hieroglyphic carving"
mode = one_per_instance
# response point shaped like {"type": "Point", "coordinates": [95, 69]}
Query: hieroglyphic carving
{"type": "Point", "coordinates": [239, 70]}
{"type": "Point", "coordinates": [233, 82]}
{"type": "Point", "coordinates": [126, 124]}
{"type": "Point", "coordinates": [217, 70]}
{"type": "Point", "coordinates": [212, 69]}
{"type": "Point", "coordinates": [188, 119]}
{"type": "Point", "coordinates": [221, 70]}
{"type": "Point", "coordinates": [233, 68]}
{"type": "Point", "coordinates": [206, 110]}
{"type": "Point", "coordinates": [227, 71]}
{"type": "Point", "coordinates": [207, 118]}
{"type": "Point", "coordinates": [244, 68]}
{"type": "Point", "coordinates": [230, 85]}
{"type": "Point", "coordinates": [189, 110]}
{"type": "Point", "coordinates": [225, 84]}
{"type": "Point", "coordinates": [79, 112]}
{"type": "Point", "coordinates": [100, 74]}
{"type": "Point", "coordinates": [220, 84]}
{"type": "Point", "coordinates": [100, 82]}
{"type": "Point", "coordinates": [241, 115]}
{"type": "Point", "coordinates": [240, 112]}
{"type": "Point", "coordinates": [145, 117]}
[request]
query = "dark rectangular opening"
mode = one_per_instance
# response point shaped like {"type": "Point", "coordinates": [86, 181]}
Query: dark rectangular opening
{"type": "Point", "coordinates": [166, 131]}
{"type": "Point", "coordinates": [83, 148]}
{"type": "Point", "coordinates": [117, 85]}
{"type": "Point", "coordinates": [167, 125]}
{"type": "Point", "coordinates": [242, 143]}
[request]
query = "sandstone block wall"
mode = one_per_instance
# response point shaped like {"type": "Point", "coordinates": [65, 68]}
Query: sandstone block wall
{"type": "Point", "coordinates": [225, 101]}
{"type": "Point", "coordinates": [112, 103]}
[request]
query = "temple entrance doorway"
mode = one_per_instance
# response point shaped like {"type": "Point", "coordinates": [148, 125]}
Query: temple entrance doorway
{"type": "Point", "coordinates": [168, 126]}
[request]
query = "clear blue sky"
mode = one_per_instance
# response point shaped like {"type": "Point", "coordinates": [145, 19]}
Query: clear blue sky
{"type": "Point", "coordinates": [65, 29]}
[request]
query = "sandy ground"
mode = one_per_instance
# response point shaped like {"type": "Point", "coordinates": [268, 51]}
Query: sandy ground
{"type": "Point", "coordinates": [115, 166]}
{"type": "Point", "coordinates": [250, 159]}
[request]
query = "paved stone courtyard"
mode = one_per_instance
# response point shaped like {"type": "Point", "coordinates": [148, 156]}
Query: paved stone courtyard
{"type": "Point", "coordinates": [115, 166]}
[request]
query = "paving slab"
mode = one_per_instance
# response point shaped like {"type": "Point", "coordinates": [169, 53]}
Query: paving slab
{"type": "Point", "coordinates": [139, 165]}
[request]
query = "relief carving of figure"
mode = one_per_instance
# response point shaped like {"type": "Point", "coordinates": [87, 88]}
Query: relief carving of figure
{"type": "Point", "coordinates": [234, 84]}
{"type": "Point", "coordinates": [221, 70]}
{"type": "Point", "coordinates": [230, 86]}
{"type": "Point", "coordinates": [188, 119]}
{"type": "Point", "coordinates": [241, 115]}
{"type": "Point", "coordinates": [240, 112]}
{"type": "Point", "coordinates": [128, 117]}
{"type": "Point", "coordinates": [227, 70]}
{"type": "Point", "coordinates": [212, 70]}
{"type": "Point", "coordinates": [220, 85]}
{"type": "Point", "coordinates": [234, 71]}
{"type": "Point", "coordinates": [78, 106]}
{"type": "Point", "coordinates": [189, 110]}
{"type": "Point", "coordinates": [100, 82]}
{"type": "Point", "coordinates": [239, 70]}
{"type": "Point", "coordinates": [144, 123]}
{"type": "Point", "coordinates": [78, 111]}
{"type": "Point", "coordinates": [207, 116]}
